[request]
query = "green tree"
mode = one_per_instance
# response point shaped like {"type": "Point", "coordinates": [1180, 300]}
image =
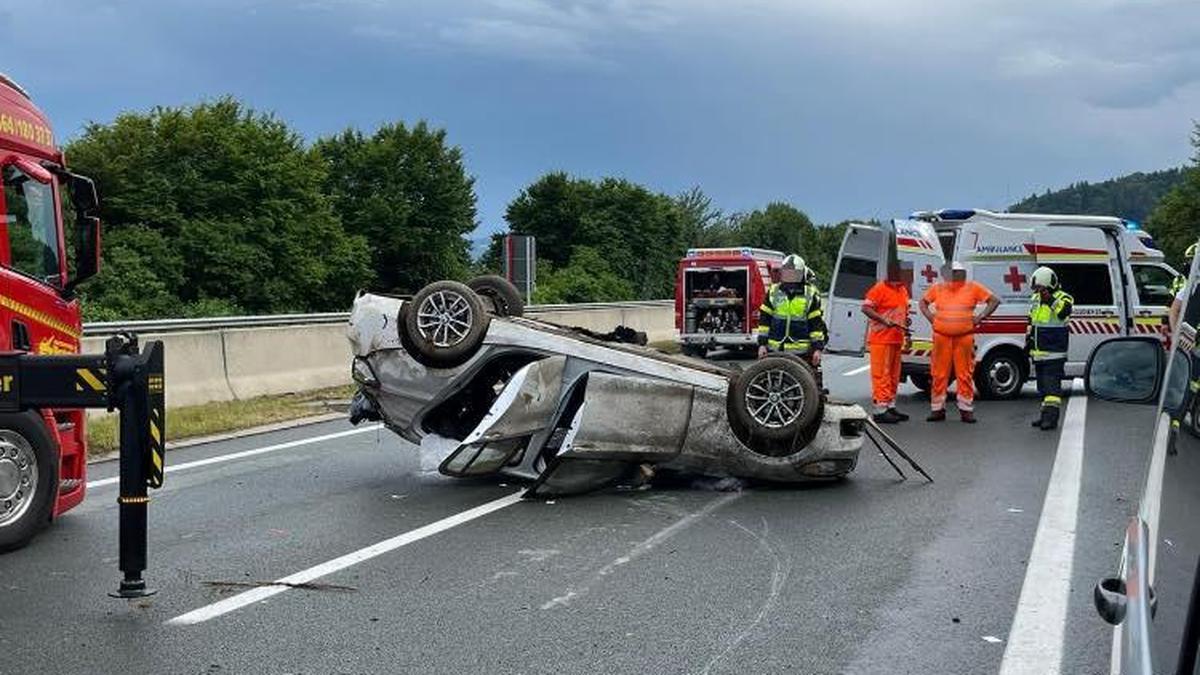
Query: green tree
{"type": "Point", "coordinates": [1133, 196]}
{"type": "Point", "coordinates": [589, 277]}
{"type": "Point", "coordinates": [407, 193]}
{"type": "Point", "coordinates": [1175, 222]}
{"type": "Point", "coordinates": [222, 207]}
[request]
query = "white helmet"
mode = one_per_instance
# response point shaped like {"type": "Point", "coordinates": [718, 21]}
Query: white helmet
{"type": "Point", "coordinates": [793, 270]}
{"type": "Point", "coordinates": [1044, 277]}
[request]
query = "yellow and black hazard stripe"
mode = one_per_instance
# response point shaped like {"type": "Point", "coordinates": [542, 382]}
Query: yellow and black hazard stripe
{"type": "Point", "coordinates": [39, 316]}
{"type": "Point", "coordinates": [90, 379]}
{"type": "Point", "coordinates": [154, 476]}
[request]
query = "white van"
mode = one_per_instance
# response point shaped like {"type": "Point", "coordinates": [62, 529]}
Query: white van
{"type": "Point", "coordinates": [1118, 277]}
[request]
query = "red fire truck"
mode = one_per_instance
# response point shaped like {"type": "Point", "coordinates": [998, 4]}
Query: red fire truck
{"type": "Point", "coordinates": [717, 295]}
{"type": "Point", "coordinates": [49, 243]}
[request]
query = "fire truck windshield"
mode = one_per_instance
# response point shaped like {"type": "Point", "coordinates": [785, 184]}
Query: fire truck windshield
{"type": "Point", "coordinates": [32, 230]}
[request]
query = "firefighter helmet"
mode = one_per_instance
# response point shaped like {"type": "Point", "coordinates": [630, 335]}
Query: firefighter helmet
{"type": "Point", "coordinates": [793, 270]}
{"type": "Point", "coordinates": [1044, 277]}
{"type": "Point", "coordinates": [1191, 251]}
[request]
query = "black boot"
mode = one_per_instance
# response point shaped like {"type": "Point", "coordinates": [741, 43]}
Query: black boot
{"type": "Point", "coordinates": [1049, 418]}
{"type": "Point", "coordinates": [936, 416]}
{"type": "Point", "coordinates": [886, 417]}
{"type": "Point", "coordinates": [898, 415]}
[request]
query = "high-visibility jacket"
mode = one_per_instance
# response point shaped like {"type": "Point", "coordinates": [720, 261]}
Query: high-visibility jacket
{"type": "Point", "coordinates": [1178, 283]}
{"type": "Point", "coordinates": [793, 321]}
{"type": "Point", "coordinates": [1048, 333]}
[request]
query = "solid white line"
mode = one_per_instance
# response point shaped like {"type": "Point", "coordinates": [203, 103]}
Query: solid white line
{"type": "Point", "coordinates": [243, 454]}
{"type": "Point", "coordinates": [241, 600]}
{"type": "Point", "coordinates": [1035, 641]}
{"type": "Point", "coordinates": [860, 369]}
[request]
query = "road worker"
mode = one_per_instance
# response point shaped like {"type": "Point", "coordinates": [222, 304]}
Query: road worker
{"type": "Point", "coordinates": [950, 307]}
{"type": "Point", "coordinates": [886, 306]}
{"type": "Point", "coordinates": [791, 319]}
{"type": "Point", "coordinates": [1046, 340]}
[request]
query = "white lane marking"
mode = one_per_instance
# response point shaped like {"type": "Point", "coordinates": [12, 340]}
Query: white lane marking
{"type": "Point", "coordinates": [860, 369]}
{"type": "Point", "coordinates": [243, 454]}
{"type": "Point", "coordinates": [1035, 641]}
{"type": "Point", "coordinates": [642, 549]}
{"type": "Point", "coordinates": [250, 597]}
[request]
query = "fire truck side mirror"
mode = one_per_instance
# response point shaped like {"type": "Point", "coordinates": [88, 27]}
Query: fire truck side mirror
{"type": "Point", "coordinates": [87, 251]}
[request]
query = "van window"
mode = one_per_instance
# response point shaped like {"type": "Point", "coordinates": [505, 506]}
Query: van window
{"type": "Point", "coordinates": [855, 276]}
{"type": "Point", "coordinates": [947, 238]}
{"type": "Point", "coordinates": [1089, 284]}
{"type": "Point", "coordinates": [1153, 285]}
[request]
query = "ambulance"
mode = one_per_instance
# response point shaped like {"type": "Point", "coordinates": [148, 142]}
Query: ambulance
{"type": "Point", "coordinates": [1117, 275]}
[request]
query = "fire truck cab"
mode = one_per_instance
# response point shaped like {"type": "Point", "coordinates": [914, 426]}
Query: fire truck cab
{"type": "Point", "coordinates": [49, 243]}
{"type": "Point", "coordinates": [1118, 277]}
{"type": "Point", "coordinates": [717, 295]}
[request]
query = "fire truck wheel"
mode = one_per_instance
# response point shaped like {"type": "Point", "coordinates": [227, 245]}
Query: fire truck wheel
{"type": "Point", "coordinates": [695, 351]}
{"type": "Point", "coordinates": [444, 325]}
{"type": "Point", "coordinates": [775, 399]}
{"type": "Point", "coordinates": [28, 474]}
{"type": "Point", "coordinates": [505, 299]}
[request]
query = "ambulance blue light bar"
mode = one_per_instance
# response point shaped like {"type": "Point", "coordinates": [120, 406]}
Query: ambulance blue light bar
{"type": "Point", "coordinates": [1131, 225]}
{"type": "Point", "coordinates": [956, 214]}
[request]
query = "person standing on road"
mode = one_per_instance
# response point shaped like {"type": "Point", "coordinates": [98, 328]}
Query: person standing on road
{"type": "Point", "coordinates": [886, 306]}
{"type": "Point", "coordinates": [1046, 340]}
{"type": "Point", "coordinates": [950, 307]}
{"type": "Point", "coordinates": [791, 319]}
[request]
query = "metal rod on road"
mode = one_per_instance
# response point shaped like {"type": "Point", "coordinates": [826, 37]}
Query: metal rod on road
{"type": "Point", "coordinates": [900, 451]}
{"type": "Point", "coordinates": [879, 446]}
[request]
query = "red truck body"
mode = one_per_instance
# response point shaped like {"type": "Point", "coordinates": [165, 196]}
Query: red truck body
{"type": "Point", "coordinates": [39, 312]}
{"type": "Point", "coordinates": [717, 295]}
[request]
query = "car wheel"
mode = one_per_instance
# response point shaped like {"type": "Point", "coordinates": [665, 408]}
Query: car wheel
{"type": "Point", "coordinates": [775, 399]}
{"type": "Point", "coordinates": [28, 476]}
{"type": "Point", "coordinates": [444, 325]}
{"type": "Point", "coordinates": [921, 381]}
{"type": "Point", "coordinates": [504, 298]}
{"type": "Point", "coordinates": [1002, 374]}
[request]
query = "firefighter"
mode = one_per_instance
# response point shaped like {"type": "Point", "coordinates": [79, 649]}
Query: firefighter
{"type": "Point", "coordinates": [1175, 315]}
{"type": "Point", "coordinates": [950, 307]}
{"type": "Point", "coordinates": [790, 319]}
{"type": "Point", "coordinates": [1046, 340]}
{"type": "Point", "coordinates": [886, 306]}
{"type": "Point", "coordinates": [1177, 287]}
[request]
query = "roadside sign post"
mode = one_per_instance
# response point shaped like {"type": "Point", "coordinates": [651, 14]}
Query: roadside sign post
{"type": "Point", "coordinates": [122, 379]}
{"type": "Point", "coordinates": [520, 263]}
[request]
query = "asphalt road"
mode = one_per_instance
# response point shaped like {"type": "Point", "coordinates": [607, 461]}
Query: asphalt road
{"type": "Point", "coordinates": [869, 575]}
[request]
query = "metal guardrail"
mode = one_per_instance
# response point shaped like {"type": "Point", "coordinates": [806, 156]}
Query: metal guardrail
{"type": "Point", "coordinates": [104, 328]}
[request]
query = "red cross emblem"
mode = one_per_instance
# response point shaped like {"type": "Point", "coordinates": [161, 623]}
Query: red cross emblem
{"type": "Point", "coordinates": [1015, 278]}
{"type": "Point", "coordinates": [929, 273]}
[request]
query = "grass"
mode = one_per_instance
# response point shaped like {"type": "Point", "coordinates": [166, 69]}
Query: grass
{"type": "Point", "coordinates": [222, 416]}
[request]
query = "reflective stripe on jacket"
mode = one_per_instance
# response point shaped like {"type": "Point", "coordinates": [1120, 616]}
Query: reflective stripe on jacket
{"type": "Point", "coordinates": [1049, 335]}
{"type": "Point", "coordinates": [794, 323]}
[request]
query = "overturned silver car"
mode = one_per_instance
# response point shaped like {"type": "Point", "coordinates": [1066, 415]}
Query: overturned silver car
{"type": "Point", "coordinates": [572, 412]}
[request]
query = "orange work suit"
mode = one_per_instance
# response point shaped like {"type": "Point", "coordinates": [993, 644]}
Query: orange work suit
{"type": "Point", "coordinates": [889, 300]}
{"type": "Point", "coordinates": [954, 303]}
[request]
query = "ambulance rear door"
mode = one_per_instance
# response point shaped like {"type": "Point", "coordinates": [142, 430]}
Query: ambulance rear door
{"type": "Point", "coordinates": [861, 262]}
{"type": "Point", "coordinates": [919, 244]}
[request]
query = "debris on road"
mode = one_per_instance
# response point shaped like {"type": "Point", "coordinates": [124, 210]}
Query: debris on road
{"type": "Point", "coordinates": [307, 586]}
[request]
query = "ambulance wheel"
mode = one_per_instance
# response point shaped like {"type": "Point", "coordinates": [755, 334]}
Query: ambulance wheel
{"type": "Point", "coordinates": [1001, 374]}
{"type": "Point", "coordinates": [28, 476]}
{"type": "Point", "coordinates": [775, 399]}
{"type": "Point", "coordinates": [443, 324]}
{"type": "Point", "coordinates": [499, 292]}
{"type": "Point", "coordinates": [921, 381]}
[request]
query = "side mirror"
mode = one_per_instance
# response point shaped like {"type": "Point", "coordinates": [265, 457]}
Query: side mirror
{"type": "Point", "coordinates": [87, 252]}
{"type": "Point", "coordinates": [83, 194]}
{"type": "Point", "coordinates": [1126, 370]}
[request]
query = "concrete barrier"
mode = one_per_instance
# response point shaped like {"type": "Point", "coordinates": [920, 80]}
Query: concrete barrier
{"type": "Point", "coordinates": [222, 364]}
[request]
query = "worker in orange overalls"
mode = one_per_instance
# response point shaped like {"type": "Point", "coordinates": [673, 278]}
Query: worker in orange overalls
{"type": "Point", "coordinates": [950, 307]}
{"type": "Point", "coordinates": [886, 305]}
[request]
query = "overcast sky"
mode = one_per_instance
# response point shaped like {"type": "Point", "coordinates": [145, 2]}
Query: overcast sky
{"type": "Point", "coordinates": [846, 108]}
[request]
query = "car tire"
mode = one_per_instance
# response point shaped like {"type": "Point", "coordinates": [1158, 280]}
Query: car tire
{"type": "Point", "coordinates": [921, 381]}
{"type": "Point", "coordinates": [775, 399]}
{"type": "Point", "coordinates": [28, 461]}
{"type": "Point", "coordinates": [1002, 374]}
{"type": "Point", "coordinates": [504, 298]}
{"type": "Point", "coordinates": [444, 324]}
